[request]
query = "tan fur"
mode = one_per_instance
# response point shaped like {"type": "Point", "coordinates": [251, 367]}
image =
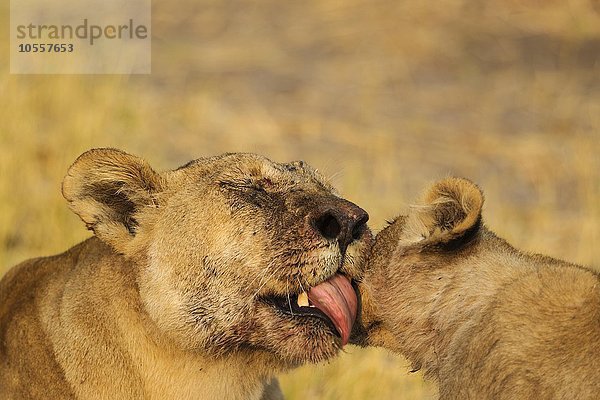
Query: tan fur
{"type": "Point", "coordinates": [483, 319]}
{"type": "Point", "coordinates": [169, 299]}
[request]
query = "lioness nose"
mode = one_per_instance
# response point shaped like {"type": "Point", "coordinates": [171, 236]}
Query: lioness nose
{"type": "Point", "coordinates": [344, 222]}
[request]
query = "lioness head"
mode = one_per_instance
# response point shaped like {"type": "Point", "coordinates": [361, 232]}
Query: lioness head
{"type": "Point", "coordinates": [232, 253]}
{"type": "Point", "coordinates": [413, 262]}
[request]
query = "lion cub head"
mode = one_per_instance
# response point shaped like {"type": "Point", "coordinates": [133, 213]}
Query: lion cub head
{"type": "Point", "coordinates": [232, 253]}
{"type": "Point", "coordinates": [412, 264]}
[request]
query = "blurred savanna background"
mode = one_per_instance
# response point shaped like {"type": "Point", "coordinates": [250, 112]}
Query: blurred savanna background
{"type": "Point", "coordinates": [383, 97]}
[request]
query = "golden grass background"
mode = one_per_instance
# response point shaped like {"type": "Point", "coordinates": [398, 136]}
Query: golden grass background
{"type": "Point", "coordinates": [382, 96]}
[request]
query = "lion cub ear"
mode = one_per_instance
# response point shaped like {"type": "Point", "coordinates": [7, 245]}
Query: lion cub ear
{"type": "Point", "coordinates": [450, 209]}
{"type": "Point", "coordinates": [107, 188]}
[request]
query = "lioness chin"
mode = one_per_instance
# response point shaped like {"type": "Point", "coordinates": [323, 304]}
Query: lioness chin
{"type": "Point", "coordinates": [200, 283]}
{"type": "Point", "coordinates": [483, 319]}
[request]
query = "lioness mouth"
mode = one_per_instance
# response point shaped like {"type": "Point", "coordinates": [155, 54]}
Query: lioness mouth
{"type": "Point", "coordinates": [333, 301]}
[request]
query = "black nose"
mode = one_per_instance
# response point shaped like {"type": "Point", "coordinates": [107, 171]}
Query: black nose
{"type": "Point", "coordinates": [344, 222]}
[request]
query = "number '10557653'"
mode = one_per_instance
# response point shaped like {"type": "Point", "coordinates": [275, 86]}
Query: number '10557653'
{"type": "Point", "coordinates": [46, 48]}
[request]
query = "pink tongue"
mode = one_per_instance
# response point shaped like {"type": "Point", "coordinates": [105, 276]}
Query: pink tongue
{"type": "Point", "coordinates": [337, 299]}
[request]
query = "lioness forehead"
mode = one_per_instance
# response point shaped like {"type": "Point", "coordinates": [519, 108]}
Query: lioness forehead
{"type": "Point", "coordinates": [240, 168]}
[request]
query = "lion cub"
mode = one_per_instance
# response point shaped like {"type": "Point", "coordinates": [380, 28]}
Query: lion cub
{"type": "Point", "coordinates": [200, 283]}
{"type": "Point", "coordinates": [483, 319]}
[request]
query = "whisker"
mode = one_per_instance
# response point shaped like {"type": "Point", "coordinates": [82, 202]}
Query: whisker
{"type": "Point", "coordinates": [288, 295]}
{"type": "Point", "coordinates": [266, 279]}
{"type": "Point", "coordinates": [300, 283]}
{"type": "Point", "coordinates": [261, 276]}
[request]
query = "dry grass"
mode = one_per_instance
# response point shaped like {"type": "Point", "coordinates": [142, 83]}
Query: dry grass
{"type": "Point", "coordinates": [384, 96]}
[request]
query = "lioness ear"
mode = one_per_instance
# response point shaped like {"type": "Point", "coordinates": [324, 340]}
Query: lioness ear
{"type": "Point", "coordinates": [450, 209]}
{"type": "Point", "coordinates": [107, 188]}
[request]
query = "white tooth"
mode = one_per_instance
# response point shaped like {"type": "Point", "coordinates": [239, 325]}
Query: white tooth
{"type": "Point", "coordinates": [303, 299]}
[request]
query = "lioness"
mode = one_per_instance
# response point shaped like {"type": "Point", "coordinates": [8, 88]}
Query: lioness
{"type": "Point", "coordinates": [483, 319]}
{"type": "Point", "coordinates": [200, 283]}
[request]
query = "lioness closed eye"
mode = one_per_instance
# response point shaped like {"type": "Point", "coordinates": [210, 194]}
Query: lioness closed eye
{"type": "Point", "coordinates": [483, 319]}
{"type": "Point", "coordinates": [200, 283]}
